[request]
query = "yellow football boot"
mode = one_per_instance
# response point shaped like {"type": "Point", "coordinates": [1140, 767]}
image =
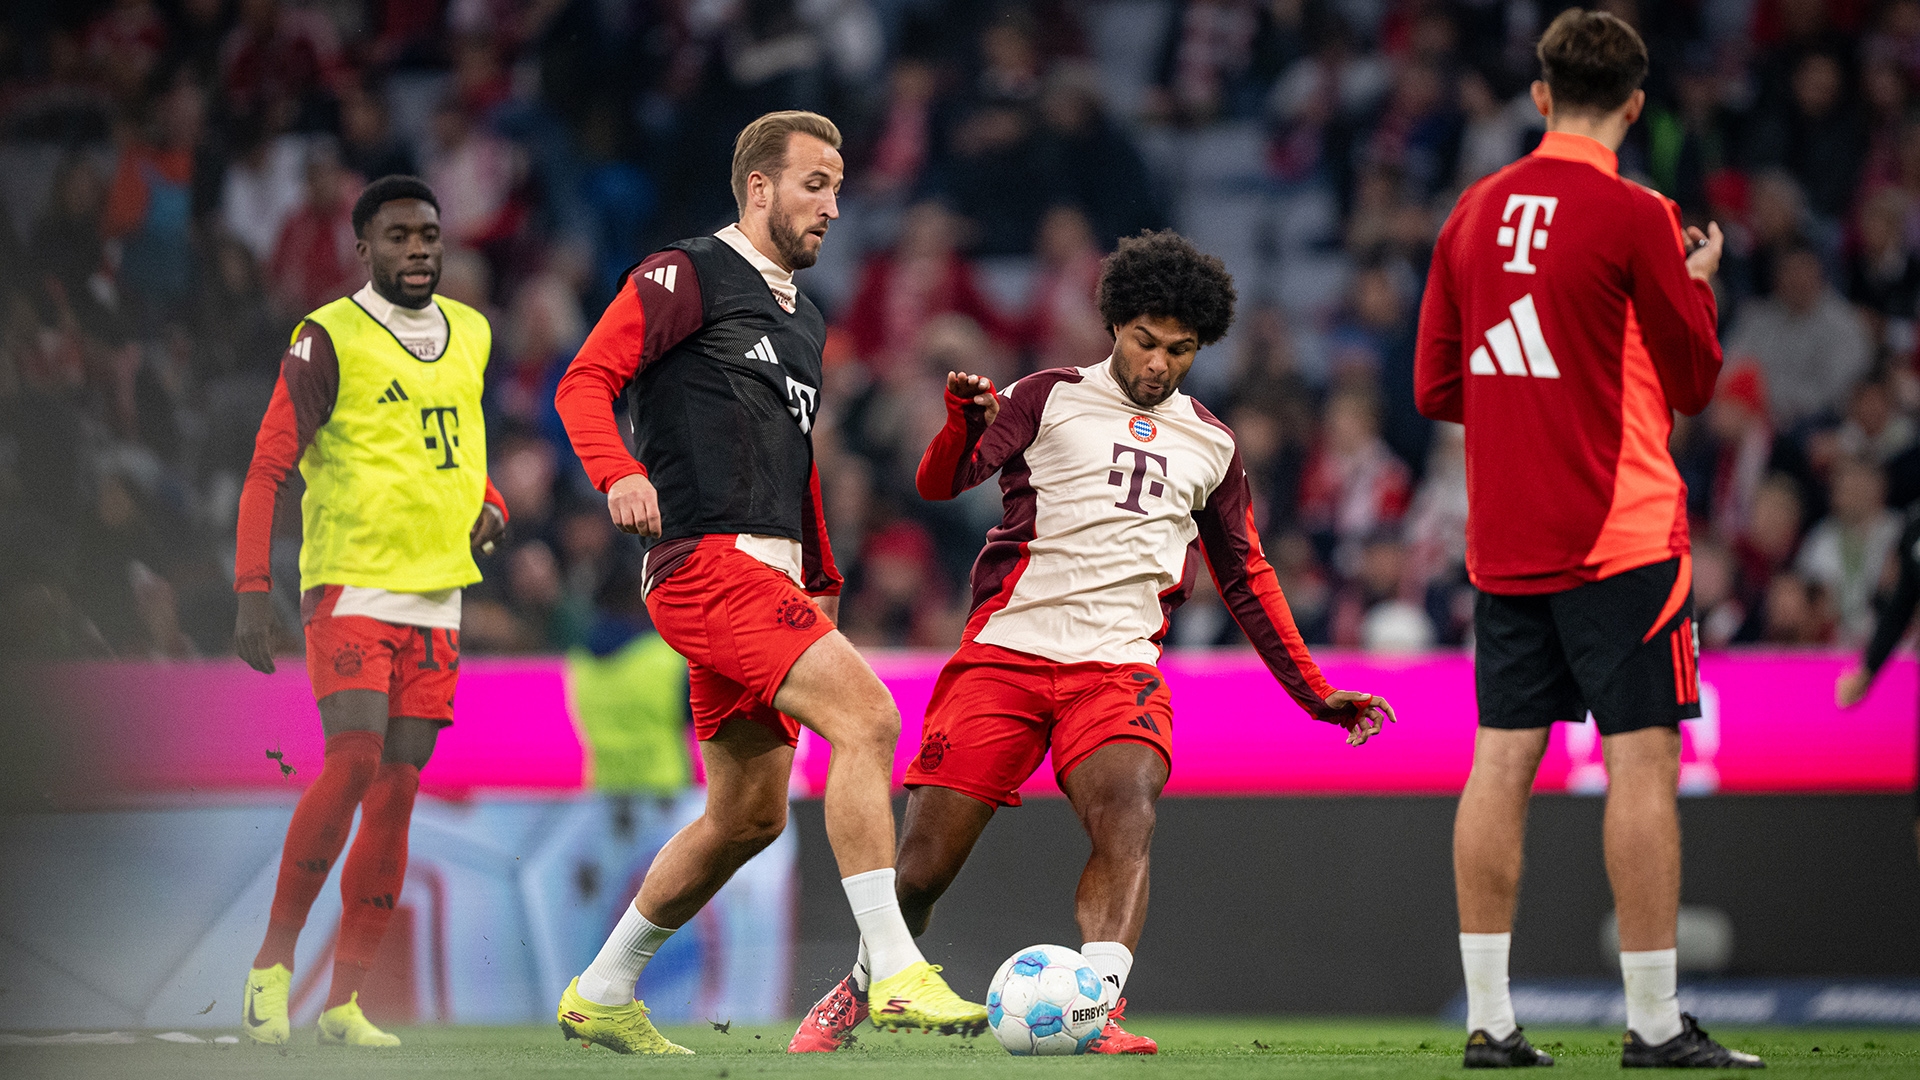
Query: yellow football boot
{"type": "Point", "coordinates": [917, 998]}
{"type": "Point", "coordinates": [346, 1025]}
{"type": "Point", "coordinates": [264, 1012]}
{"type": "Point", "coordinates": [623, 1029]}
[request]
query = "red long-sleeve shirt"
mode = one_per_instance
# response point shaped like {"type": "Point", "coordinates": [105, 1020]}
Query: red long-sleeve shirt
{"type": "Point", "coordinates": [1561, 327]}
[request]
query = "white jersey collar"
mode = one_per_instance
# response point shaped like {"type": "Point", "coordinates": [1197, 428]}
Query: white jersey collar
{"type": "Point", "coordinates": [425, 326]}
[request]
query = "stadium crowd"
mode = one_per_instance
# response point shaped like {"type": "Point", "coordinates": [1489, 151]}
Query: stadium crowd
{"type": "Point", "coordinates": [177, 174]}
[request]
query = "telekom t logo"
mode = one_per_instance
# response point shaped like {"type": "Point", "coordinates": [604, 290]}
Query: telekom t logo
{"type": "Point", "coordinates": [1529, 234]}
{"type": "Point", "coordinates": [1137, 478]}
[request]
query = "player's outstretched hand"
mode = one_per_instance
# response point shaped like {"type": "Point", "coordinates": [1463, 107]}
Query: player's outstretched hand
{"type": "Point", "coordinates": [977, 387]}
{"type": "Point", "coordinates": [1850, 687]}
{"type": "Point", "coordinates": [1703, 251]}
{"type": "Point", "coordinates": [634, 505]}
{"type": "Point", "coordinates": [487, 528]}
{"type": "Point", "coordinates": [1373, 714]}
{"type": "Point", "coordinates": [255, 630]}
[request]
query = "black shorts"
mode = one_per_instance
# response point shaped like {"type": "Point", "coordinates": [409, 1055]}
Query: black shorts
{"type": "Point", "coordinates": [1623, 647]}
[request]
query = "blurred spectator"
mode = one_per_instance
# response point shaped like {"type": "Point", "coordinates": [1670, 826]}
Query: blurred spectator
{"type": "Point", "coordinates": [1811, 345]}
{"type": "Point", "coordinates": [1717, 608]}
{"type": "Point", "coordinates": [69, 253]}
{"type": "Point", "coordinates": [1436, 534]}
{"type": "Point", "coordinates": [264, 185]}
{"type": "Point", "coordinates": [904, 142]}
{"type": "Point", "coordinates": [1819, 138]}
{"type": "Point", "coordinates": [1376, 334]}
{"type": "Point", "coordinates": [902, 599]}
{"type": "Point", "coordinates": [1063, 324]}
{"type": "Point", "coordinates": [1353, 484]}
{"type": "Point", "coordinates": [475, 174]}
{"type": "Point", "coordinates": [367, 145]}
{"type": "Point", "coordinates": [1369, 611]}
{"type": "Point", "coordinates": [314, 260]}
{"type": "Point", "coordinates": [1767, 545]}
{"type": "Point", "coordinates": [1883, 274]}
{"type": "Point", "coordinates": [900, 291]}
{"type": "Point", "coordinates": [1846, 553]}
{"type": "Point", "coordinates": [1087, 161]}
{"type": "Point", "coordinates": [1491, 135]}
{"type": "Point", "coordinates": [148, 202]}
{"type": "Point", "coordinates": [1318, 103]}
{"type": "Point", "coordinates": [1419, 131]}
{"type": "Point", "coordinates": [279, 66]}
{"type": "Point", "coordinates": [1875, 429]}
{"type": "Point", "coordinates": [1797, 612]}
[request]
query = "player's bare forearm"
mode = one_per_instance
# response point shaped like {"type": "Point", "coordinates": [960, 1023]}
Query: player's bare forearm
{"type": "Point", "coordinates": [1371, 714]}
{"type": "Point", "coordinates": [255, 629]}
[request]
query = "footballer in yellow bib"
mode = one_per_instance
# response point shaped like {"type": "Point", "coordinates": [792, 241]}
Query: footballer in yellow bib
{"type": "Point", "coordinates": [378, 406]}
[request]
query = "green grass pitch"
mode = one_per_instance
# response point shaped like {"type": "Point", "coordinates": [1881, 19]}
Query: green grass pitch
{"type": "Point", "coordinates": [1190, 1047]}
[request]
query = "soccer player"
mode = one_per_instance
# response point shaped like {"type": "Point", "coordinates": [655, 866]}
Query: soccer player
{"type": "Point", "coordinates": [1116, 486]}
{"type": "Point", "coordinates": [1894, 615]}
{"type": "Point", "coordinates": [378, 404]}
{"type": "Point", "coordinates": [1564, 318]}
{"type": "Point", "coordinates": [721, 355]}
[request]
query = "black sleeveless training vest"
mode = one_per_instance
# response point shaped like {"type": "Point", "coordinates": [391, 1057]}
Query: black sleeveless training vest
{"type": "Point", "coordinates": [723, 422]}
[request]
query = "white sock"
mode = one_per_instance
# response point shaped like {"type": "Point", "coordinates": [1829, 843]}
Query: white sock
{"type": "Point", "coordinates": [1653, 1000]}
{"type": "Point", "coordinates": [862, 969]}
{"type": "Point", "coordinates": [1489, 1007]}
{"type": "Point", "coordinates": [883, 931]}
{"type": "Point", "coordinates": [609, 979]}
{"type": "Point", "coordinates": [1113, 962]}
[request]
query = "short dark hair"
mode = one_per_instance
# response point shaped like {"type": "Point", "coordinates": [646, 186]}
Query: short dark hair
{"type": "Point", "coordinates": [385, 190]}
{"type": "Point", "coordinates": [1591, 60]}
{"type": "Point", "coordinates": [1163, 275]}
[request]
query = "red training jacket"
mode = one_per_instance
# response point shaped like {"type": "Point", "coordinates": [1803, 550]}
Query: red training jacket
{"type": "Point", "coordinates": [1561, 327]}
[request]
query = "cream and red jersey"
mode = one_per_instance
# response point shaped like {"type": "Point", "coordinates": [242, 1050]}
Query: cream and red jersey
{"type": "Point", "coordinates": [1109, 510]}
{"type": "Point", "coordinates": [1561, 327]}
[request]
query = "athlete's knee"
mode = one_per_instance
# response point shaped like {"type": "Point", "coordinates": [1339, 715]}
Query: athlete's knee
{"type": "Point", "coordinates": [1120, 821]}
{"type": "Point", "coordinates": [751, 829]}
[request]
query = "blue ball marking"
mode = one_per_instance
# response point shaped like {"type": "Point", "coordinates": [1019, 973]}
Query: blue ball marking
{"type": "Point", "coordinates": [1045, 1019]}
{"type": "Point", "coordinates": [1030, 965]}
{"type": "Point", "coordinates": [1089, 983]}
{"type": "Point", "coordinates": [994, 1012]}
{"type": "Point", "coordinates": [1087, 1040]}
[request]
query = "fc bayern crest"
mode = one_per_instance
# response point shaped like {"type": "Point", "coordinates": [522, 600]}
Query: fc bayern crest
{"type": "Point", "coordinates": [1142, 429]}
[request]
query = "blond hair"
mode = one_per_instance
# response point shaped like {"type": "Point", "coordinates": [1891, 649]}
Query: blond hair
{"type": "Point", "coordinates": [762, 146]}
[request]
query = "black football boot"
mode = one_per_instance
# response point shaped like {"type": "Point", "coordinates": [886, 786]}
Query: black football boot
{"type": "Point", "coordinates": [1512, 1052]}
{"type": "Point", "coordinates": [1691, 1049]}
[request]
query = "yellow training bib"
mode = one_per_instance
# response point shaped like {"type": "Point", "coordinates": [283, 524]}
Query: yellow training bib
{"type": "Point", "coordinates": [396, 475]}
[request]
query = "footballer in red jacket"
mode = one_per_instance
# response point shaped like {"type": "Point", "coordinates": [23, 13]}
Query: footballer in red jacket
{"type": "Point", "coordinates": [1567, 314]}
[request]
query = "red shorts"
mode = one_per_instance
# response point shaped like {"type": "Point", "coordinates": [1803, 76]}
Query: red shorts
{"type": "Point", "coordinates": [741, 624]}
{"type": "Point", "coordinates": [415, 666]}
{"type": "Point", "coordinates": [995, 713]}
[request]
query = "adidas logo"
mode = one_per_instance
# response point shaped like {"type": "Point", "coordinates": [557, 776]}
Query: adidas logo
{"type": "Point", "coordinates": [303, 349]}
{"type": "Point", "coordinates": [394, 393]}
{"type": "Point", "coordinates": [663, 276]}
{"type": "Point", "coordinates": [1518, 346]}
{"type": "Point", "coordinates": [763, 350]}
{"type": "Point", "coordinates": [1145, 720]}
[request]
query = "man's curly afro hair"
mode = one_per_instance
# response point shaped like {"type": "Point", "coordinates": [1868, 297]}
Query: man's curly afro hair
{"type": "Point", "coordinates": [1162, 275]}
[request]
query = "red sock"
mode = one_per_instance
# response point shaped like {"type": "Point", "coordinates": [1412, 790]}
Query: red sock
{"type": "Point", "coordinates": [314, 838]}
{"type": "Point", "coordinates": [370, 881]}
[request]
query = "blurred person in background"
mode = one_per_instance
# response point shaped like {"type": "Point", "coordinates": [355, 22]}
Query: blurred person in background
{"type": "Point", "coordinates": [1353, 483]}
{"type": "Point", "coordinates": [313, 259]}
{"type": "Point", "coordinates": [1846, 552]}
{"type": "Point", "coordinates": [1715, 578]}
{"type": "Point", "coordinates": [1798, 613]}
{"type": "Point", "coordinates": [1062, 322]}
{"type": "Point", "coordinates": [1810, 343]}
{"type": "Point", "coordinates": [1765, 546]}
{"type": "Point", "coordinates": [391, 518]}
{"type": "Point", "coordinates": [901, 290]}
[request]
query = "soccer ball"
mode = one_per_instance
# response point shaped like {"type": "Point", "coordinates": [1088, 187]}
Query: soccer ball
{"type": "Point", "coordinates": [1046, 999]}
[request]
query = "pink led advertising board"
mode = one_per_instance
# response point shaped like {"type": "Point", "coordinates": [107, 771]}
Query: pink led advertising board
{"type": "Point", "coordinates": [1770, 726]}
